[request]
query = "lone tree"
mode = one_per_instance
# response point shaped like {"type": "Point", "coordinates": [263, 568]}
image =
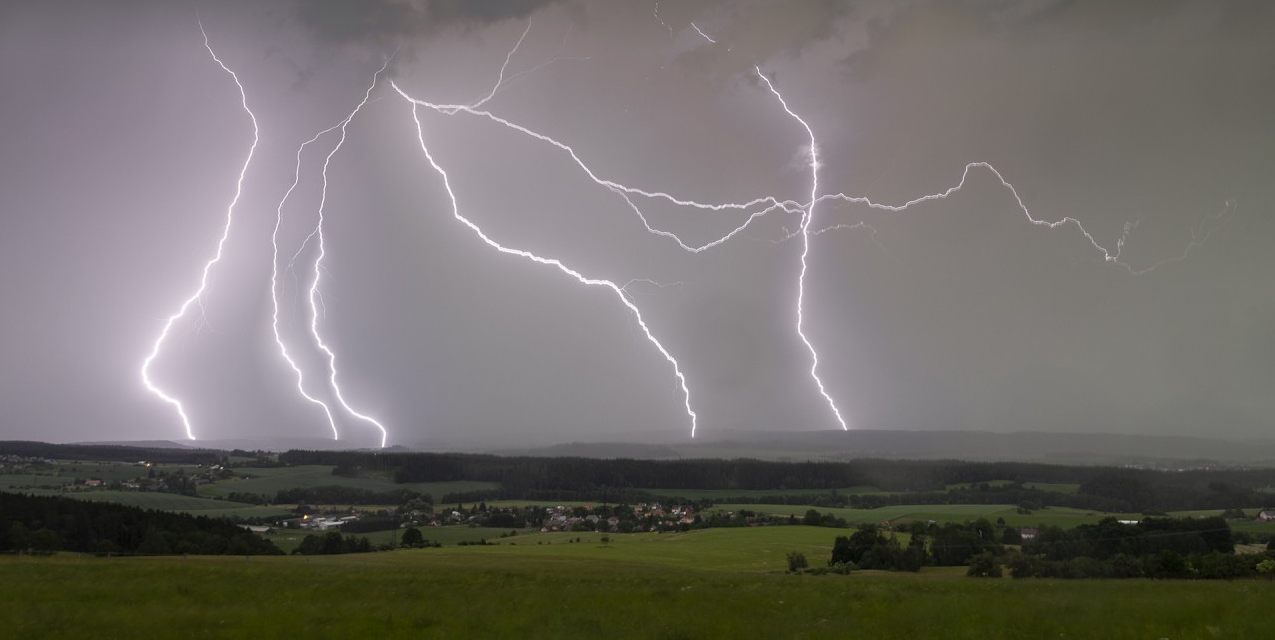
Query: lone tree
{"type": "Point", "coordinates": [984, 565]}
{"type": "Point", "coordinates": [797, 561]}
{"type": "Point", "coordinates": [412, 538]}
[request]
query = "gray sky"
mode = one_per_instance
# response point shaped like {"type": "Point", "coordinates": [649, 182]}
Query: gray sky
{"type": "Point", "coordinates": [124, 140]}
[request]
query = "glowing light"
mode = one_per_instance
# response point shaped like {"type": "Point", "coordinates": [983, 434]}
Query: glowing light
{"type": "Point", "coordinates": [197, 295]}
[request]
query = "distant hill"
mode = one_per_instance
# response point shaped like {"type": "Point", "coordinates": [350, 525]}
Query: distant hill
{"type": "Point", "coordinates": [597, 450]}
{"type": "Point", "coordinates": [139, 444]}
{"type": "Point", "coordinates": [987, 446]}
{"type": "Point", "coordinates": [1025, 446]}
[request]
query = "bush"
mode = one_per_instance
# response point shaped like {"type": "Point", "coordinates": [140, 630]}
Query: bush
{"type": "Point", "coordinates": [984, 565]}
{"type": "Point", "coordinates": [797, 561]}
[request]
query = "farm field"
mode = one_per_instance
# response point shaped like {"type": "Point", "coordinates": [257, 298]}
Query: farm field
{"type": "Point", "coordinates": [707, 584]}
{"type": "Point", "coordinates": [289, 539]}
{"type": "Point", "coordinates": [270, 480]}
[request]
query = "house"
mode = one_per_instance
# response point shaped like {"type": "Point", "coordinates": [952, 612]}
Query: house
{"type": "Point", "coordinates": [1028, 533]}
{"type": "Point", "coordinates": [1266, 515]}
{"type": "Point", "coordinates": [93, 482]}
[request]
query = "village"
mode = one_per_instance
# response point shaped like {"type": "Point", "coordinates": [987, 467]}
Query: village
{"type": "Point", "coordinates": [561, 518]}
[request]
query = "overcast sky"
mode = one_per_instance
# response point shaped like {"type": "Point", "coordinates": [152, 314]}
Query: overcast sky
{"type": "Point", "coordinates": [123, 141]}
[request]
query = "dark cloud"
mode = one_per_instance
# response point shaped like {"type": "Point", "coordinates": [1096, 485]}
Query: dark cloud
{"type": "Point", "coordinates": [388, 20]}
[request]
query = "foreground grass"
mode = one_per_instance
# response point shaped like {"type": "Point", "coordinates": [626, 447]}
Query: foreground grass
{"type": "Point", "coordinates": [585, 589]}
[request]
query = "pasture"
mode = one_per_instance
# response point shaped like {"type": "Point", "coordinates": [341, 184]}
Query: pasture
{"type": "Point", "coordinates": [705, 584]}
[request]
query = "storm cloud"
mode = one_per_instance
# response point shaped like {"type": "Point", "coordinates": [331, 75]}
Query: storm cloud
{"type": "Point", "coordinates": [125, 140]}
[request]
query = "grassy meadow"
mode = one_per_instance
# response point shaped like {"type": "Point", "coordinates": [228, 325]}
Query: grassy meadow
{"type": "Point", "coordinates": [713, 583]}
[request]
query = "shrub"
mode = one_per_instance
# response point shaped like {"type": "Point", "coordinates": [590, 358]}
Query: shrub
{"type": "Point", "coordinates": [984, 565]}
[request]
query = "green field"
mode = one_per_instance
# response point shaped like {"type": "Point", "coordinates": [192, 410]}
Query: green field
{"type": "Point", "coordinates": [270, 480]}
{"type": "Point", "coordinates": [19, 482]}
{"type": "Point", "coordinates": [289, 539]}
{"type": "Point", "coordinates": [717, 583]}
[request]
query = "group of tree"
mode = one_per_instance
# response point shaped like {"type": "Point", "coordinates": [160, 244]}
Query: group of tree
{"type": "Point", "coordinates": [47, 524]}
{"type": "Point", "coordinates": [111, 453]}
{"type": "Point", "coordinates": [332, 543]}
{"type": "Point", "coordinates": [1201, 548]}
{"type": "Point", "coordinates": [870, 548]}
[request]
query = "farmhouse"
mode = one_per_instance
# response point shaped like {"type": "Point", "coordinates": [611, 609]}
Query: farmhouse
{"type": "Point", "coordinates": [1266, 515]}
{"type": "Point", "coordinates": [1028, 533]}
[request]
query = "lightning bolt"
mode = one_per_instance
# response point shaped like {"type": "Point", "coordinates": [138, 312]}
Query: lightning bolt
{"type": "Point", "coordinates": [197, 295]}
{"type": "Point", "coordinates": [313, 293]}
{"type": "Point", "coordinates": [701, 32]}
{"type": "Point", "coordinates": [1200, 232]}
{"type": "Point", "coordinates": [553, 262]}
{"type": "Point", "coordinates": [666, 25]}
{"type": "Point", "coordinates": [806, 218]}
{"type": "Point", "coordinates": [274, 271]}
{"type": "Point", "coordinates": [274, 288]}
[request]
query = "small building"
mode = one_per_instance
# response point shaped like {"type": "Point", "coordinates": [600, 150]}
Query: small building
{"type": "Point", "coordinates": [93, 482]}
{"type": "Point", "coordinates": [1028, 533]}
{"type": "Point", "coordinates": [1266, 515]}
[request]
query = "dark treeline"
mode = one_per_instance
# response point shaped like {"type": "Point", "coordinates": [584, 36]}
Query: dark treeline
{"type": "Point", "coordinates": [46, 524]}
{"type": "Point", "coordinates": [332, 543]}
{"type": "Point", "coordinates": [1153, 548]}
{"type": "Point", "coordinates": [1151, 536]}
{"type": "Point", "coordinates": [109, 453]}
{"type": "Point", "coordinates": [919, 482]}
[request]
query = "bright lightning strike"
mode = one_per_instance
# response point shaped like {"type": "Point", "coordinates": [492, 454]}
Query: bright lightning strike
{"type": "Point", "coordinates": [806, 218]}
{"type": "Point", "coordinates": [553, 262]}
{"type": "Point", "coordinates": [274, 272]}
{"type": "Point", "coordinates": [318, 270]}
{"type": "Point", "coordinates": [701, 32]}
{"type": "Point", "coordinates": [1199, 234]}
{"type": "Point", "coordinates": [274, 289]}
{"type": "Point", "coordinates": [221, 243]}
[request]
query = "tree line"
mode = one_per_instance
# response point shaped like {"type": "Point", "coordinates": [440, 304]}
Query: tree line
{"type": "Point", "coordinates": [45, 524]}
{"type": "Point", "coordinates": [914, 481]}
